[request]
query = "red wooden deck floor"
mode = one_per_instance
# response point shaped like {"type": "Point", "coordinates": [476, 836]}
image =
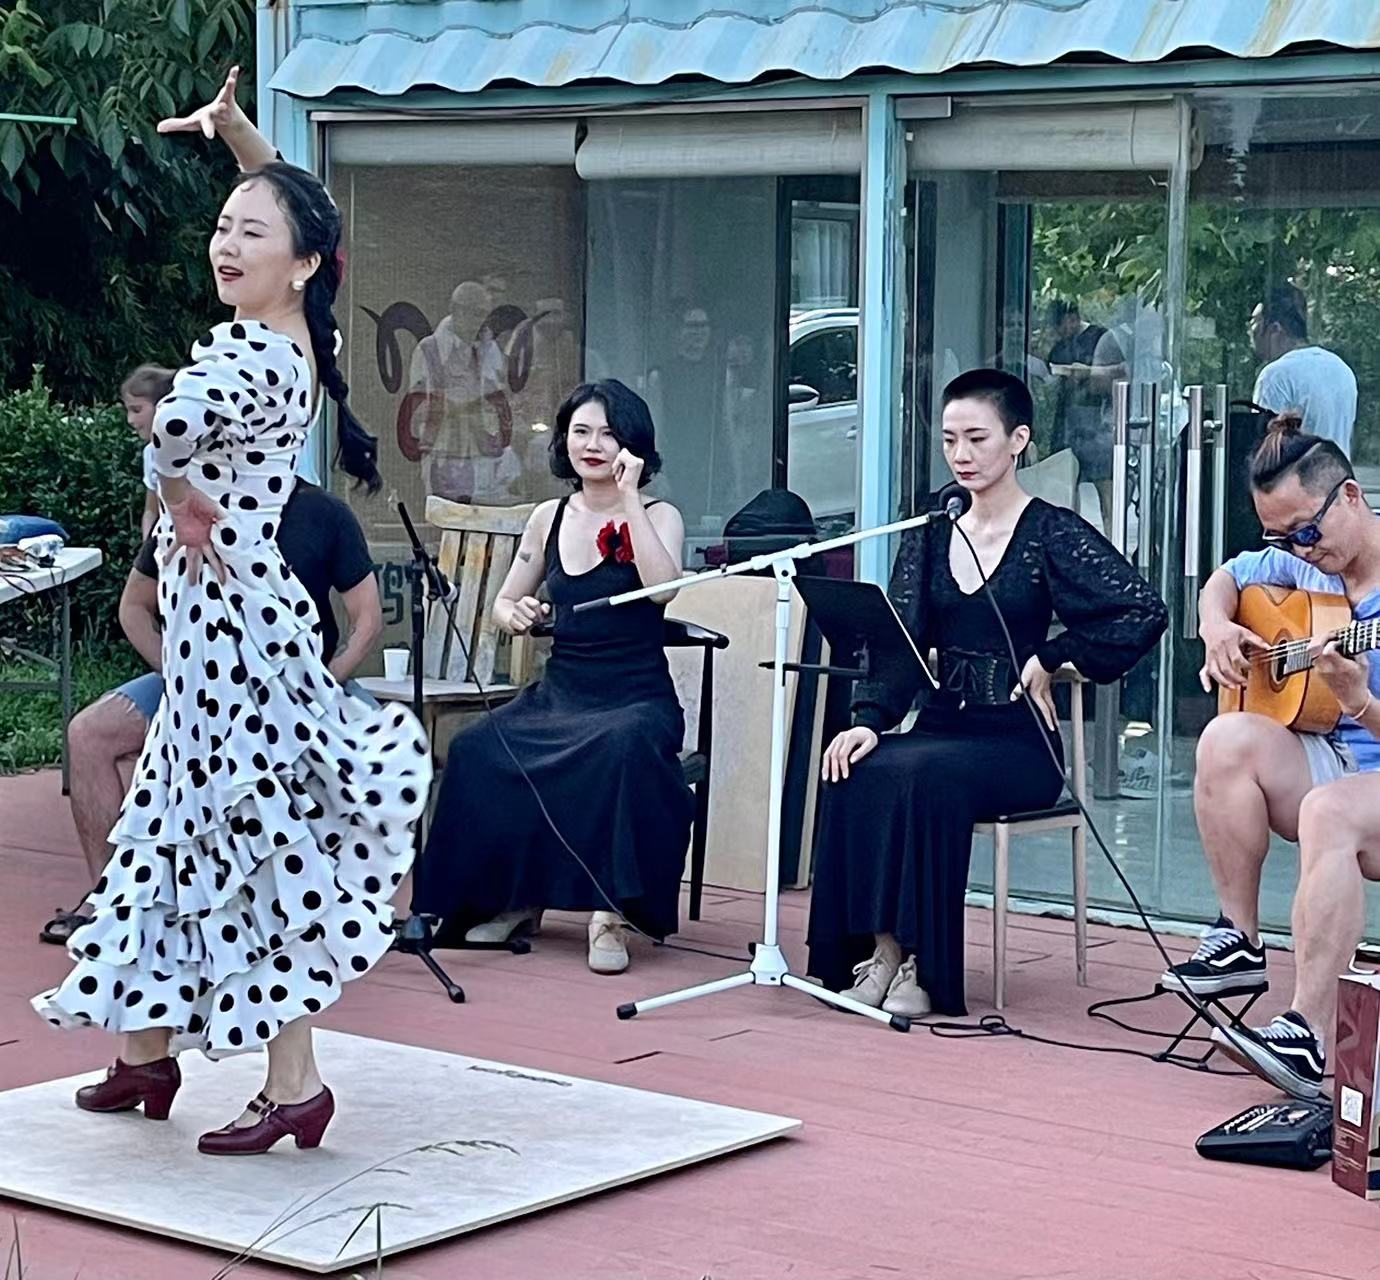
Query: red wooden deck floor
{"type": "Point", "coordinates": [960, 1159]}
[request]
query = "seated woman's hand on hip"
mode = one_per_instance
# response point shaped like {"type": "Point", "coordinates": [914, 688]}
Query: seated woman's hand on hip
{"type": "Point", "coordinates": [1036, 681]}
{"type": "Point", "coordinates": [847, 749]}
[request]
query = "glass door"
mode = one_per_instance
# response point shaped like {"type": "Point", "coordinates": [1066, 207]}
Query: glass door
{"type": "Point", "coordinates": [1048, 254]}
{"type": "Point", "coordinates": [1282, 264]}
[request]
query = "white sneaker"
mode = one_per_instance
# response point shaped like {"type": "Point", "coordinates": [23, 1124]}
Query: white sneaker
{"type": "Point", "coordinates": [875, 976]}
{"type": "Point", "coordinates": [906, 995]}
{"type": "Point", "coordinates": [608, 946]}
{"type": "Point", "coordinates": [506, 926]}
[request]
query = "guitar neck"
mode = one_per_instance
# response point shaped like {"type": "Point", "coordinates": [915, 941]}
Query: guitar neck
{"type": "Point", "coordinates": [1356, 638]}
{"type": "Point", "coordinates": [1359, 637]}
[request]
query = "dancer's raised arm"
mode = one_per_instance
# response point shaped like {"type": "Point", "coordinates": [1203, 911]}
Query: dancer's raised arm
{"type": "Point", "coordinates": [223, 116]}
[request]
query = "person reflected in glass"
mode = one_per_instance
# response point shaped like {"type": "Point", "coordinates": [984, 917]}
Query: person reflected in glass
{"type": "Point", "coordinates": [1298, 374]}
{"type": "Point", "coordinates": [686, 392]}
{"type": "Point", "coordinates": [464, 426]}
{"type": "Point", "coordinates": [1086, 359]}
{"type": "Point", "coordinates": [598, 737]}
{"type": "Point", "coordinates": [897, 811]}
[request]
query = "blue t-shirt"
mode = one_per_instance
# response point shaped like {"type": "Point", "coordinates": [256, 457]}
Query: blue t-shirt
{"type": "Point", "coordinates": [1283, 569]}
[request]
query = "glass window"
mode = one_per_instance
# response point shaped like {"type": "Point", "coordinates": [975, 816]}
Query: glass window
{"type": "Point", "coordinates": [826, 362]}
{"type": "Point", "coordinates": [493, 269]}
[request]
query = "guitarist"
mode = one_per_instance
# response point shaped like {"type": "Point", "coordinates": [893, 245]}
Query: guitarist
{"type": "Point", "coordinates": [1254, 776]}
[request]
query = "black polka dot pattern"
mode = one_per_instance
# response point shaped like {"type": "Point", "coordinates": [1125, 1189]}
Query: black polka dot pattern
{"type": "Point", "coordinates": [248, 881]}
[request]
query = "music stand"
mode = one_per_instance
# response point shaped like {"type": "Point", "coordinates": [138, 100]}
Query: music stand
{"type": "Point", "coordinates": [859, 620]}
{"type": "Point", "coordinates": [769, 967]}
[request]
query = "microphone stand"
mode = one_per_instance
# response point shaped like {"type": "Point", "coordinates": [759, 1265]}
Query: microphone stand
{"type": "Point", "coordinates": [413, 934]}
{"type": "Point", "coordinates": [769, 967]}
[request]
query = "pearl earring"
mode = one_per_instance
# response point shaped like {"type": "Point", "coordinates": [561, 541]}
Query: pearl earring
{"type": "Point", "coordinates": [299, 285]}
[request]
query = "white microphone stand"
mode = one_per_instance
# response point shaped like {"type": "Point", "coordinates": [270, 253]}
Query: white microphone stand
{"type": "Point", "coordinates": [769, 967]}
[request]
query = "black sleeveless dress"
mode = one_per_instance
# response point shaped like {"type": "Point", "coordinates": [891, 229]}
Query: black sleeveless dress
{"type": "Point", "coordinates": [599, 735]}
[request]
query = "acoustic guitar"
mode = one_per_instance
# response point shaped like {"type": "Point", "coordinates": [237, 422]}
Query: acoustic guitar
{"type": "Point", "coordinates": [1282, 683]}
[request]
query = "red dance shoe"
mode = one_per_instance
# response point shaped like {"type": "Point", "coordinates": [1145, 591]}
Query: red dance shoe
{"type": "Point", "coordinates": [154, 1084]}
{"type": "Point", "coordinates": [305, 1121]}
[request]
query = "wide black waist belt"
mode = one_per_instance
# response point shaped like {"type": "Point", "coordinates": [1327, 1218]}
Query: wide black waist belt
{"type": "Point", "coordinates": [983, 678]}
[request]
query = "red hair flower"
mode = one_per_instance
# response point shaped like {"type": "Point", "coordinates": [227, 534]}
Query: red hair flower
{"type": "Point", "coordinates": [616, 543]}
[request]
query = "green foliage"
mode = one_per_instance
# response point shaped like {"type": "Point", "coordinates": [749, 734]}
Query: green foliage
{"type": "Point", "coordinates": [103, 225]}
{"type": "Point", "coordinates": [1104, 254]}
{"type": "Point", "coordinates": [80, 467]}
{"type": "Point", "coordinates": [31, 723]}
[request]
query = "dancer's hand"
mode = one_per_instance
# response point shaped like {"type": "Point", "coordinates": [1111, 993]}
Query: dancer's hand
{"type": "Point", "coordinates": [1036, 681]}
{"type": "Point", "coordinates": [193, 519]}
{"type": "Point", "coordinates": [847, 749]}
{"type": "Point", "coordinates": [524, 614]}
{"type": "Point", "coordinates": [222, 113]}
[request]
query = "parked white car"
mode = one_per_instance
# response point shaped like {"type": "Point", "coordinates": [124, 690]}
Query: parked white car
{"type": "Point", "coordinates": [821, 461]}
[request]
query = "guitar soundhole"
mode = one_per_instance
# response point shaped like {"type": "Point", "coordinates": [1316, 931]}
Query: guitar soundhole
{"type": "Point", "coordinates": [1279, 669]}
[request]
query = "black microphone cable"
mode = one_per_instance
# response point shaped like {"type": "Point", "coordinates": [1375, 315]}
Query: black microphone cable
{"type": "Point", "coordinates": [995, 1024]}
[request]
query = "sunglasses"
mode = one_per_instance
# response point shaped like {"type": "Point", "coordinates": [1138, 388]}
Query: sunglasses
{"type": "Point", "coordinates": [1307, 535]}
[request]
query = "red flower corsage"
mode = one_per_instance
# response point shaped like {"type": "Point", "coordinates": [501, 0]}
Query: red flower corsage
{"type": "Point", "coordinates": [616, 543]}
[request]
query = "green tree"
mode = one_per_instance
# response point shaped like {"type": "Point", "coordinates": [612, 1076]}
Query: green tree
{"type": "Point", "coordinates": [103, 225]}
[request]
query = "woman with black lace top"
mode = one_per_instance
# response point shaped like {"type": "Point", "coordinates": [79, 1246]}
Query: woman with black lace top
{"type": "Point", "coordinates": [896, 822]}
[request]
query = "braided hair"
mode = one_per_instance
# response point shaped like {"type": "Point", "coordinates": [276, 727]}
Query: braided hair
{"type": "Point", "coordinates": [315, 223]}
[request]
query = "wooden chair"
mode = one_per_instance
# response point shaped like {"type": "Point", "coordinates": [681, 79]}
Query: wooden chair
{"type": "Point", "coordinates": [1065, 816]}
{"type": "Point", "coordinates": [477, 549]}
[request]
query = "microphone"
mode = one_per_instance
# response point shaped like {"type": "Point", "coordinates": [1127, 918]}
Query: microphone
{"type": "Point", "coordinates": [953, 500]}
{"type": "Point", "coordinates": [440, 585]}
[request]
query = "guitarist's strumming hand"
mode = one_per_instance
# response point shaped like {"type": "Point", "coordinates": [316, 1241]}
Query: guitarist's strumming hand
{"type": "Point", "coordinates": [1227, 654]}
{"type": "Point", "coordinates": [1348, 678]}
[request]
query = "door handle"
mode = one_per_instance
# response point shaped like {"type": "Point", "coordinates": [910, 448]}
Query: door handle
{"type": "Point", "coordinates": [851, 433]}
{"type": "Point", "coordinates": [1121, 437]}
{"type": "Point", "coordinates": [1221, 461]}
{"type": "Point", "coordinates": [1146, 422]}
{"type": "Point", "coordinates": [1193, 502]}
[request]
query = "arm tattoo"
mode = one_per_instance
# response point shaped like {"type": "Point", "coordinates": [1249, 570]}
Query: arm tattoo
{"type": "Point", "coordinates": [524, 555]}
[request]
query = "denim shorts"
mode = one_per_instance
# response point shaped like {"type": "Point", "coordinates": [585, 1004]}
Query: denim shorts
{"type": "Point", "coordinates": [146, 692]}
{"type": "Point", "coordinates": [1329, 758]}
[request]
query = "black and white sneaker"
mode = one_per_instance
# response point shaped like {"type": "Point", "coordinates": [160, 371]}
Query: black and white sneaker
{"type": "Point", "coordinates": [1226, 960]}
{"type": "Point", "coordinates": [1286, 1053]}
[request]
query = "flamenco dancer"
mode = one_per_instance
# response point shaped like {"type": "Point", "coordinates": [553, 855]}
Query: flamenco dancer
{"type": "Point", "coordinates": [896, 827]}
{"type": "Point", "coordinates": [598, 735]}
{"type": "Point", "coordinates": [270, 814]}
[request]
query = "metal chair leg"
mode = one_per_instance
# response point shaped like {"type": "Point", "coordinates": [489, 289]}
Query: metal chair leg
{"type": "Point", "coordinates": [1080, 902]}
{"type": "Point", "coordinates": [1001, 849]}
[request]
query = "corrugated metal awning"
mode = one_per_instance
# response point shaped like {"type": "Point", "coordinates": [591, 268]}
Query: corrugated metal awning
{"type": "Point", "coordinates": [467, 45]}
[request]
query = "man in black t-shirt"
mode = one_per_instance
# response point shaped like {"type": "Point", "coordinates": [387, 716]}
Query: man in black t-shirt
{"type": "Point", "coordinates": [325, 548]}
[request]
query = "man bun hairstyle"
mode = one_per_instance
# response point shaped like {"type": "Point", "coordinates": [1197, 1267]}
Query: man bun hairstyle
{"type": "Point", "coordinates": [1288, 450]}
{"type": "Point", "coordinates": [316, 229]}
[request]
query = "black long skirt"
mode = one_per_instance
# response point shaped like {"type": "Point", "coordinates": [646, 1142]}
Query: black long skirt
{"type": "Point", "coordinates": [896, 838]}
{"type": "Point", "coordinates": [609, 778]}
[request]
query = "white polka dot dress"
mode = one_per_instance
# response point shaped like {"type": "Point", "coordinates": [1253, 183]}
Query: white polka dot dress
{"type": "Point", "coordinates": [270, 816]}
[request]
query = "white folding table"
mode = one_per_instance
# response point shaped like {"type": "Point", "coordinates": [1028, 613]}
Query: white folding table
{"type": "Point", "coordinates": [70, 564]}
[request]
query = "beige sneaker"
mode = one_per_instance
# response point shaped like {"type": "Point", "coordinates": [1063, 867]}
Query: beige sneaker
{"type": "Point", "coordinates": [507, 925]}
{"type": "Point", "coordinates": [874, 976]}
{"type": "Point", "coordinates": [905, 994]}
{"type": "Point", "coordinates": [608, 946]}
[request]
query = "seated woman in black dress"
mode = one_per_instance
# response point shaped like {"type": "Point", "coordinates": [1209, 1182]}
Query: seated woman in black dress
{"type": "Point", "coordinates": [599, 735]}
{"type": "Point", "coordinates": [896, 825]}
